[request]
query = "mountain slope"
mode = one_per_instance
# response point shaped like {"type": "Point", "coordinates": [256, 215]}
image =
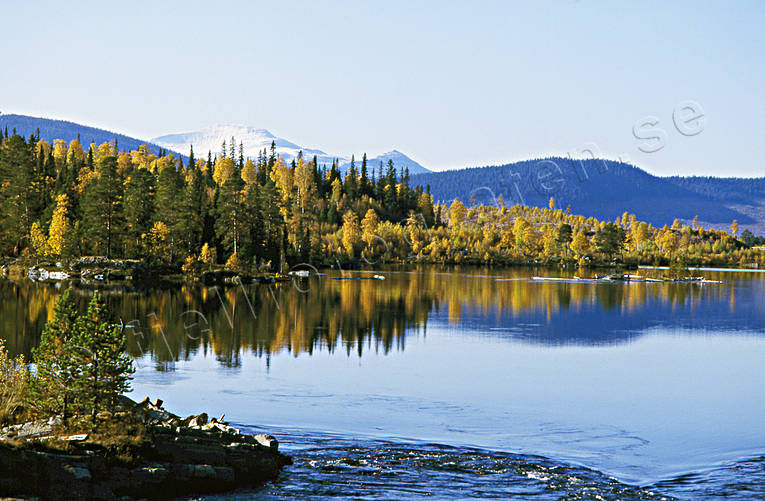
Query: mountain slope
{"type": "Point", "coordinates": [600, 188]}
{"type": "Point", "coordinates": [61, 129]}
{"type": "Point", "coordinates": [254, 140]}
{"type": "Point", "coordinates": [400, 160]}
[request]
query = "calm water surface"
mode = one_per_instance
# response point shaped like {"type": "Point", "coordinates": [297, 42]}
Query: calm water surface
{"type": "Point", "coordinates": [463, 383]}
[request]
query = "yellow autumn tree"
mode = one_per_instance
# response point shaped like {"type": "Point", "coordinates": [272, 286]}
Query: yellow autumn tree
{"type": "Point", "coordinates": [58, 231]}
{"type": "Point", "coordinates": [531, 241]}
{"type": "Point", "coordinates": [304, 184]}
{"type": "Point", "coordinates": [208, 255]}
{"type": "Point", "coordinates": [43, 148]}
{"type": "Point", "coordinates": [580, 244]}
{"type": "Point", "coordinates": [38, 239]}
{"type": "Point", "coordinates": [59, 151]}
{"type": "Point", "coordinates": [281, 175]}
{"type": "Point", "coordinates": [159, 246]}
{"type": "Point", "coordinates": [337, 190]}
{"type": "Point", "coordinates": [638, 235]}
{"type": "Point", "coordinates": [223, 169]}
{"type": "Point", "coordinates": [75, 152]}
{"type": "Point", "coordinates": [350, 232]}
{"type": "Point", "coordinates": [519, 228]}
{"type": "Point", "coordinates": [124, 163]}
{"type": "Point", "coordinates": [667, 241]}
{"type": "Point", "coordinates": [143, 157]}
{"type": "Point", "coordinates": [104, 150]}
{"type": "Point", "coordinates": [233, 263]}
{"type": "Point", "coordinates": [369, 227]}
{"type": "Point", "coordinates": [550, 242]}
{"type": "Point", "coordinates": [249, 175]}
{"type": "Point", "coordinates": [457, 213]}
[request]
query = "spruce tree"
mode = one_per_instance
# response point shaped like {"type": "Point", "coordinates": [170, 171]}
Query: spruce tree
{"type": "Point", "coordinates": [107, 368]}
{"type": "Point", "coordinates": [139, 209]}
{"type": "Point", "coordinates": [170, 203]}
{"type": "Point", "coordinates": [365, 189]}
{"type": "Point", "coordinates": [19, 197]}
{"type": "Point", "coordinates": [102, 206]}
{"type": "Point", "coordinates": [58, 369]}
{"type": "Point", "coordinates": [231, 214]}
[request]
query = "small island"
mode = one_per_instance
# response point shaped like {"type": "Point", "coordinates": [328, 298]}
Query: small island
{"type": "Point", "coordinates": [68, 432]}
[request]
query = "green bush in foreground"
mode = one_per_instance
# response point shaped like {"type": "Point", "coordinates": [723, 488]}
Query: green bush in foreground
{"type": "Point", "coordinates": [82, 364]}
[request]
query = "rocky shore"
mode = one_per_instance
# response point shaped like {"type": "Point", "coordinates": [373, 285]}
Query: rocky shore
{"type": "Point", "coordinates": [100, 272]}
{"type": "Point", "coordinates": [140, 452]}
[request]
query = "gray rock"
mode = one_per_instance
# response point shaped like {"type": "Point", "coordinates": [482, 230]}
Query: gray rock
{"type": "Point", "coordinates": [197, 421]}
{"type": "Point", "coordinates": [267, 441]}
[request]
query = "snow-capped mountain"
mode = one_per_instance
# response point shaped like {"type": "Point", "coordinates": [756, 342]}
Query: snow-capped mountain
{"type": "Point", "coordinates": [256, 140]}
{"type": "Point", "coordinates": [400, 161]}
{"type": "Point", "coordinates": [253, 141]}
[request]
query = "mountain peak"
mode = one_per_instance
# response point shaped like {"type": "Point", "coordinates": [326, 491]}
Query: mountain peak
{"type": "Point", "coordinates": [254, 140]}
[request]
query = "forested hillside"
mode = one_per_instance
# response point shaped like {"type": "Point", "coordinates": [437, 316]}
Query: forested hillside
{"type": "Point", "coordinates": [64, 200]}
{"type": "Point", "coordinates": [48, 129]}
{"type": "Point", "coordinates": [595, 187]}
{"type": "Point", "coordinates": [728, 189]}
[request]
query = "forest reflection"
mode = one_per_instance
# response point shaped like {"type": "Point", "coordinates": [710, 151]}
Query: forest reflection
{"type": "Point", "coordinates": [356, 316]}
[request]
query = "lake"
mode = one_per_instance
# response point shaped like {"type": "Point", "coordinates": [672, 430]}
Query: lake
{"type": "Point", "coordinates": [461, 382]}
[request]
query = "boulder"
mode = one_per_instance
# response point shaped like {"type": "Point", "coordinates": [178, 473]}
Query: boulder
{"type": "Point", "coordinates": [267, 441]}
{"type": "Point", "coordinates": [195, 421]}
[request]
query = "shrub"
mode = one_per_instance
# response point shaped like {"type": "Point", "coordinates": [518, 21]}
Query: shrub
{"type": "Point", "coordinates": [14, 379]}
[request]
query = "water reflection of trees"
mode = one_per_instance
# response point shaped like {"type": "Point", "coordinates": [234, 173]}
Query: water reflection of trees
{"type": "Point", "coordinates": [352, 316]}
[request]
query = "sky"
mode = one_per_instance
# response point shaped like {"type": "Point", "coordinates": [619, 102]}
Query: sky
{"type": "Point", "coordinates": [451, 84]}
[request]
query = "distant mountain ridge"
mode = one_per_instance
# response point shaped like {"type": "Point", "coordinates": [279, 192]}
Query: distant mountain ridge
{"type": "Point", "coordinates": [605, 189]}
{"type": "Point", "coordinates": [254, 141]}
{"type": "Point", "coordinates": [51, 129]}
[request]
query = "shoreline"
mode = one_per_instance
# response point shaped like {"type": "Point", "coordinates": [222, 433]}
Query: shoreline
{"type": "Point", "coordinates": [145, 452]}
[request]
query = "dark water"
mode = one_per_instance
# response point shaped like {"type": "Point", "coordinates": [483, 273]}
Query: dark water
{"type": "Point", "coordinates": [463, 383]}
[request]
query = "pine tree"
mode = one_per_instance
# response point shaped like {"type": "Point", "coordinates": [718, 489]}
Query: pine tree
{"type": "Point", "coordinates": [139, 201]}
{"type": "Point", "coordinates": [365, 188]}
{"type": "Point", "coordinates": [18, 200]}
{"type": "Point", "coordinates": [231, 214]}
{"type": "Point", "coordinates": [107, 368]}
{"type": "Point", "coordinates": [193, 209]}
{"type": "Point", "coordinates": [102, 206]}
{"type": "Point", "coordinates": [170, 203]}
{"type": "Point", "coordinates": [58, 369]}
{"type": "Point", "coordinates": [192, 161]}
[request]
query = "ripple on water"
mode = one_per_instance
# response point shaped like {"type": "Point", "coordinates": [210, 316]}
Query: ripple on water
{"type": "Point", "coordinates": [336, 467]}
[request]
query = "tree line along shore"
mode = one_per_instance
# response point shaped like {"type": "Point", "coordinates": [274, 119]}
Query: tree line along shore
{"type": "Point", "coordinates": [62, 201]}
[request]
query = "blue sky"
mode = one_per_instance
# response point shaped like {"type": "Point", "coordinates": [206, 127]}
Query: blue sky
{"type": "Point", "coordinates": [451, 84]}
